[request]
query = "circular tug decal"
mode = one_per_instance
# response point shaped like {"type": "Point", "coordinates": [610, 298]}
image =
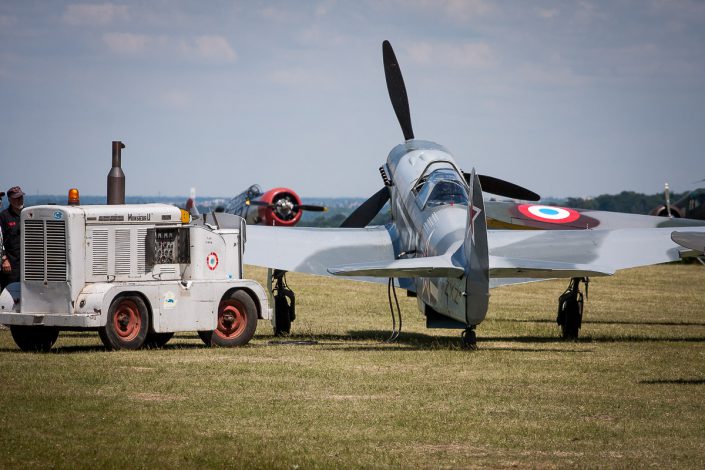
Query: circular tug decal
{"type": "Point", "coordinates": [550, 214]}
{"type": "Point", "coordinates": [212, 261]}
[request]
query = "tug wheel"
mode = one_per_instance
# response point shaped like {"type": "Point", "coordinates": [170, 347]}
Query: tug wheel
{"type": "Point", "coordinates": [237, 322]}
{"type": "Point", "coordinates": [127, 325]}
{"type": "Point", "coordinates": [34, 338]}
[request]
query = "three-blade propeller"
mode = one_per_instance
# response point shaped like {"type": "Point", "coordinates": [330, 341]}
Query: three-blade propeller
{"type": "Point", "coordinates": [364, 214]}
{"type": "Point", "coordinates": [285, 207]}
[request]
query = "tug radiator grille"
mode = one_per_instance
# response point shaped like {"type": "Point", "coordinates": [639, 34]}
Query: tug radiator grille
{"type": "Point", "coordinates": [45, 250]}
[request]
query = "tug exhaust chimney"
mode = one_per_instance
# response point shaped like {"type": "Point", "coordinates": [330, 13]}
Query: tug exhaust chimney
{"type": "Point", "coordinates": [116, 178]}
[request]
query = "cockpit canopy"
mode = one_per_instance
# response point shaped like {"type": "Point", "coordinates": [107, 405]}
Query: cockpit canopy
{"type": "Point", "coordinates": [441, 186]}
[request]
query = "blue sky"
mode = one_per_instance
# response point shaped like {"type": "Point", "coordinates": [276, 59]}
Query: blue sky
{"type": "Point", "coordinates": [567, 98]}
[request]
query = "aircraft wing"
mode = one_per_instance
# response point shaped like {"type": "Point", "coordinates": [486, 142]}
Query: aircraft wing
{"type": "Point", "coordinates": [315, 250]}
{"type": "Point", "coordinates": [501, 267]}
{"type": "Point", "coordinates": [515, 255]}
{"type": "Point", "coordinates": [692, 241]}
{"type": "Point", "coordinates": [587, 252]}
{"type": "Point", "coordinates": [430, 266]}
{"type": "Point", "coordinates": [521, 216]}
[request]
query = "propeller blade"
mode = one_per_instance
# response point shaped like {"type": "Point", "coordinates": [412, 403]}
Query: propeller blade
{"type": "Point", "coordinates": [397, 90]}
{"type": "Point", "coordinates": [367, 211]}
{"type": "Point", "coordinates": [500, 187]}
{"type": "Point", "coordinates": [311, 207]}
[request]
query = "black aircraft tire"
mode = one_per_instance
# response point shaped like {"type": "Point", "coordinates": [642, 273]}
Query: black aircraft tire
{"type": "Point", "coordinates": [34, 338]}
{"type": "Point", "coordinates": [237, 322]}
{"type": "Point", "coordinates": [283, 317]}
{"type": "Point", "coordinates": [469, 339]}
{"type": "Point", "coordinates": [571, 320]}
{"type": "Point", "coordinates": [157, 340]}
{"type": "Point", "coordinates": [127, 324]}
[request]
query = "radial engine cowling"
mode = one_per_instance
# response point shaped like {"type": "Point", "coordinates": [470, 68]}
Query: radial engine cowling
{"type": "Point", "coordinates": [282, 208]}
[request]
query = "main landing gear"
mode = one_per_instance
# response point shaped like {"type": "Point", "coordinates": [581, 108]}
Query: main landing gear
{"type": "Point", "coordinates": [284, 304]}
{"type": "Point", "coordinates": [570, 308]}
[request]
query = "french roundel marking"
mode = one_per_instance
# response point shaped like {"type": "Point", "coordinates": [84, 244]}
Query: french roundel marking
{"type": "Point", "coordinates": [550, 214]}
{"type": "Point", "coordinates": [212, 261]}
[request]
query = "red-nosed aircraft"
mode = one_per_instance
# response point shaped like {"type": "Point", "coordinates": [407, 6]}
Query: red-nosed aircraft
{"type": "Point", "coordinates": [278, 206]}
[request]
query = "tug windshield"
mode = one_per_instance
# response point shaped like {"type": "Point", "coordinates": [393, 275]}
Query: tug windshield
{"type": "Point", "coordinates": [443, 186]}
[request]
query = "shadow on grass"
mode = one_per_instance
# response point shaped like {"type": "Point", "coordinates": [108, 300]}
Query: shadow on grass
{"type": "Point", "coordinates": [410, 341]}
{"type": "Point", "coordinates": [418, 341]}
{"type": "Point", "coordinates": [673, 382]}
{"type": "Point", "coordinates": [604, 322]}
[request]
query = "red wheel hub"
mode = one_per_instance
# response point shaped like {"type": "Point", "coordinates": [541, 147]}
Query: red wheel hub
{"type": "Point", "coordinates": [127, 321]}
{"type": "Point", "coordinates": [231, 319]}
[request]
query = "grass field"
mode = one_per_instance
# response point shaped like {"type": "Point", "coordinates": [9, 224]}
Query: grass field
{"type": "Point", "coordinates": [629, 393]}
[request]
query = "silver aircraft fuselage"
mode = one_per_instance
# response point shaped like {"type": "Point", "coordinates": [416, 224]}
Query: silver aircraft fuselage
{"type": "Point", "coordinates": [432, 228]}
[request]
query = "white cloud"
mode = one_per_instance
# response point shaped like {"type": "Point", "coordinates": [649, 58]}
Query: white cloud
{"type": "Point", "coordinates": [323, 8]}
{"type": "Point", "coordinates": [213, 48]}
{"type": "Point", "coordinates": [548, 13]}
{"type": "Point", "coordinates": [133, 44]}
{"type": "Point", "coordinates": [469, 54]}
{"type": "Point", "coordinates": [7, 21]}
{"type": "Point", "coordinates": [293, 76]}
{"type": "Point", "coordinates": [276, 14]}
{"type": "Point", "coordinates": [176, 99]}
{"type": "Point", "coordinates": [458, 10]}
{"type": "Point", "coordinates": [94, 14]}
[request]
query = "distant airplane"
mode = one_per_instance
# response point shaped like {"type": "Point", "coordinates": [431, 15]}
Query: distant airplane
{"type": "Point", "coordinates": [278, 206]}
{"type": "Point", "coordinates": [438, 247]}
{"type": "Point", "coordinates": [691, 206]}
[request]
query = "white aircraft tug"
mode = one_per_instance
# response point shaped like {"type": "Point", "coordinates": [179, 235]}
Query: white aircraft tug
{"type": "Point", "coordinates": [136, 273]}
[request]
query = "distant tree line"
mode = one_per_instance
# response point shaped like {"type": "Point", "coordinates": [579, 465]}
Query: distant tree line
{"type": "Point", "coordinates": [626, 201]}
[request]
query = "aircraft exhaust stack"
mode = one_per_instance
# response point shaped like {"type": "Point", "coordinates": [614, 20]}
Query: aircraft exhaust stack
{"type": "Point", "coordinates": [116, 177]}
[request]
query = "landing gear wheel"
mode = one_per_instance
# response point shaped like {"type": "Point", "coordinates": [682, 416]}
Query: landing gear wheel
{"type": "Point", "coordinates": [469, 339]}
{"type": "Point", "coordinates": [127, 325]}
{"type": "Point", "coordinates": [157, 340]}
{"type": "Point", "coordinates": [34, 338]}
{"type": "Point", "coordinates": [572, 315]}
{"type": "Point", "coordinates": [237, 322]}
{"type": "Point", "coordinates": [284, 305]}
{"type": "Point", "coordinates": [570, 309]}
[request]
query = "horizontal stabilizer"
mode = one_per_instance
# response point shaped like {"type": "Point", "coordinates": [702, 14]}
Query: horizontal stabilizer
{"type": "Point", "coordinates": [539, 269]}
{"type": "Point", "coordinates": [691, 240]}
{"type": "Point", "coordinates": [432, 266]}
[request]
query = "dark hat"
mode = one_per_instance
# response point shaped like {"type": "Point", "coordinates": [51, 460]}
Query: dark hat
{"type": "Point", "coordinates": [15, 192]}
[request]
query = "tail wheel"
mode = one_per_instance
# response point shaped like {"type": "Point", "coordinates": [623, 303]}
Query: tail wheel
{"type": "Point", "coordinates": [237, 322]}
{"type": "Point", "coordinates": [34, 338]}
{"type": "Point", "coordinates": [127, 325]}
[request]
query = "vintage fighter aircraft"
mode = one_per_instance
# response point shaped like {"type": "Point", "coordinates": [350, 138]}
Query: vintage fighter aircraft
{"type": "Point", "coordinates": [276, 207]}
{"type": "Point", "coordinates": [438, 247]}
{"type": "Point", "coordinates": [692, 205]}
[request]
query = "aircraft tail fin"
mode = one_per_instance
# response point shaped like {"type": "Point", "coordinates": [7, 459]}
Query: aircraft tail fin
{"type": "Point", "coordinates": [477, 277]}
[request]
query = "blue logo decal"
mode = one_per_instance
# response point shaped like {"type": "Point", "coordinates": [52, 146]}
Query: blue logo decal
{"type": "Point", "coordinates": [57, 215]}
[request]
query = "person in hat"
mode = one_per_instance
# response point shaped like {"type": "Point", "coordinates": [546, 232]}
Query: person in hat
{"type": "Point", "coordinates": [10, 228]}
